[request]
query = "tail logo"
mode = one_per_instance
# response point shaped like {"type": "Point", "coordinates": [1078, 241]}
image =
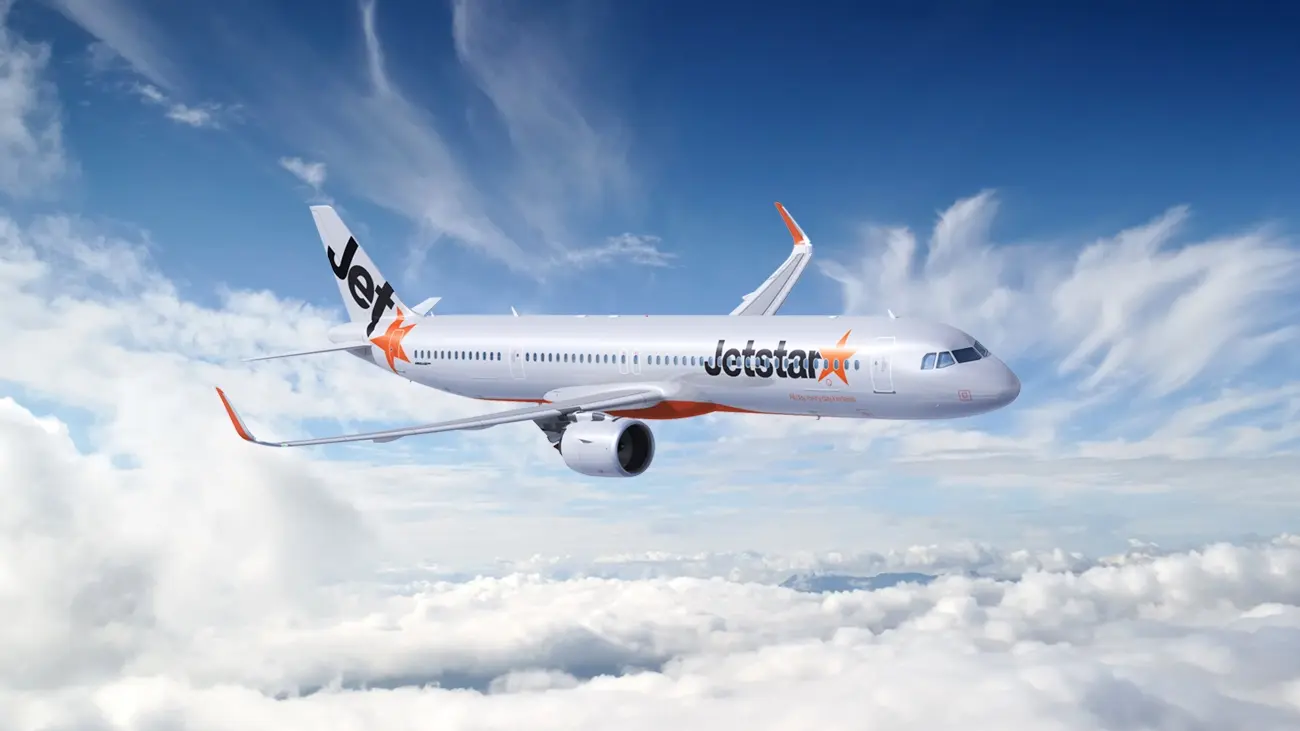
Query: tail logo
{"type": "Point", "coordinates": [391, 341]}
{"type": "Point", "coordinates": [361, 285]}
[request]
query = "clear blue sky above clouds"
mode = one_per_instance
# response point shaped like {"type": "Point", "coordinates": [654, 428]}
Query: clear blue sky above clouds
{"type": "Point", "coordinates": [1110, 205]}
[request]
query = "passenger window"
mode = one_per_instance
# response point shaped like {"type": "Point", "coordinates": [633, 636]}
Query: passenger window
{"type": "Point", "coordinates": [855, 365]}
{"type": "Point", "coordinates": [945, 359]}
{"type": "Point", "coordinates": [927, 363]}
{"type": "Point", "coordinates": [965, 355]}
{"type": "Point", "coordinates": [836, 365]}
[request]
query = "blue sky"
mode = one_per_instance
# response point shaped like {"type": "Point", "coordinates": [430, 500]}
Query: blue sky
{"type": "Point", "coordinates": [1106, 200]}
{"type": "Point", "coordinates": [844, 112]}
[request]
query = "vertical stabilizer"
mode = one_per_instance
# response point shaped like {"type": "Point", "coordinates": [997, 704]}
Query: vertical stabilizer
{"type": "Point", "coordinates": [367, 295]}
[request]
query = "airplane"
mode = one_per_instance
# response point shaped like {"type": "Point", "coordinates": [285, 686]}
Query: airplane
{"type": "Point", "coordinates": [590, 383]}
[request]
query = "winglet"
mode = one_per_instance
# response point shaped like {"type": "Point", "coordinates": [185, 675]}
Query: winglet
{"type": "Point", "coordinates": [796, 233]}
{"type": "Point", "coordinates": [238, 423]}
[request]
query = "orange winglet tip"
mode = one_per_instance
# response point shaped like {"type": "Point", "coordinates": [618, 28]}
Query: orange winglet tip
{"type": "Point", "coordinates": [238, 423]}
{"type": "Point", "coordinates": [796, 233]}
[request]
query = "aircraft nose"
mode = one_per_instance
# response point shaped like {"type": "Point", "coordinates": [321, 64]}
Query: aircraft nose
{"type": "Point", "coordinates": [1008, 387]}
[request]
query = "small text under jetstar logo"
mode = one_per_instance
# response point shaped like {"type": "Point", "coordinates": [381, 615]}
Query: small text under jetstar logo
{"type": "Point", "coordinates": [361, 284]}
{"type": "Point", "coordinates": [779, 362]}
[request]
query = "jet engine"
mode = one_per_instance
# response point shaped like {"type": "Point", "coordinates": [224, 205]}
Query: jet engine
{"type": "Point", "coordinates": [608, 448]}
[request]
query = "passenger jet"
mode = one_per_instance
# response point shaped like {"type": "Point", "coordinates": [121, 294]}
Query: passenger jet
{"type": "Point", "coordinates": [591, 382]}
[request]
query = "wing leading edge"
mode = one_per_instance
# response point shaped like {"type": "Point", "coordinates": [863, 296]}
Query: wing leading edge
{"type": "Point", "coordinates": [771, 294]}
{"type": "Point", "coordinates": [604, 401]}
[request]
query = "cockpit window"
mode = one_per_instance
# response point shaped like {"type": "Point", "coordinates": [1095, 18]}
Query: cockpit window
{"type": "Point", "coordinates": [982, 350]}
{"type": "Point", "coordinates": [945, 360]}
{"type": "Point", "coordinates": [965, 355]}
{"type": "Point", "coordinates": [927, 363]}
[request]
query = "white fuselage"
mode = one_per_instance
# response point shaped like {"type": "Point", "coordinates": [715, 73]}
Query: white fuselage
{"type": "Point", "coordinates": [856, 367]}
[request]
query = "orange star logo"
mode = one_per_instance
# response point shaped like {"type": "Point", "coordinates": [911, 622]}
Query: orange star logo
{"type": "Point", "coordinates": [837, 359]}
{"type": "Point", "coordinates": [391, 341]}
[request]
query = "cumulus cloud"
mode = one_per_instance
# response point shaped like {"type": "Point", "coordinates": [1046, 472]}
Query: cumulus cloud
{"type": "Point", "coordinates": [234, 599]}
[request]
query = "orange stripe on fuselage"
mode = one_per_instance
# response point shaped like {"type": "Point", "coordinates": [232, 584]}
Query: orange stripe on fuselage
{"type": "Point", "coordinates": [663, 410]}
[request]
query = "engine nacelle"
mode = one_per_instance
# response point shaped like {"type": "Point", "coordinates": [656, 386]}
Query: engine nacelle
{"type": "Point", "coordinates": [608, 448]}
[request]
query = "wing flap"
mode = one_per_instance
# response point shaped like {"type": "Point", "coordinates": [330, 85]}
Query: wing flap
{"type": "Point", "coordinates": [624, 398]}
{"type": "Point", "coordinates": [772, 293]}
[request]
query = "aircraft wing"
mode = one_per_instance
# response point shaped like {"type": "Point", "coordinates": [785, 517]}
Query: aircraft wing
{"type": "Point", "coordinates": [361, 348]}
{"type": "Point", "coordinates": [614, 398]}
{"type": "Point", "coordinates": [770, 295]}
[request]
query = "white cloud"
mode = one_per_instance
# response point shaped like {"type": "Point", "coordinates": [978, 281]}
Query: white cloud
{"type": "Point", "coordinates": [1135, 308]}
{"type": "Point", "coordinates": [561, 165]}
{"type": "Point", "coordinates": [570, 153]}
{"type": "Point", "coordinates": [234, 597]}
{"type": "Point", "coordinates": [379, 143]}
{"type": "Point", "coordinates": [311, 173]}
{"type": "Point", "coordinates": [32, 157]}
{"type": "Point", "coordinates": [206, 115]}
{"type": "Point", "coordinates": [636, 249]}
{"type": "Point", "coordinates": [127, 33]}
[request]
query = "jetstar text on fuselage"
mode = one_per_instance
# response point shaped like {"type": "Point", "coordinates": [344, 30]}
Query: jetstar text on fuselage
{"type": "Point", "coordinates": [763, 362]}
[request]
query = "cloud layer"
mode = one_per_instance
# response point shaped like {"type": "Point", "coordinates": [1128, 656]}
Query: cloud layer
{"type": "Point", "coordinates": [134, 599]}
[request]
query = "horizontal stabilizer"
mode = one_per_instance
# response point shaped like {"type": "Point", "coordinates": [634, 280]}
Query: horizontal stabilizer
{"type": "Point", "coordinates": [360, 348]}
{"type": "Point", "coordinates": [425, 307]}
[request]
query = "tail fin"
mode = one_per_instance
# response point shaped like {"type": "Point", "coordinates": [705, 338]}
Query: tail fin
{"type": "Point", "coordinates": [366, 293]}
